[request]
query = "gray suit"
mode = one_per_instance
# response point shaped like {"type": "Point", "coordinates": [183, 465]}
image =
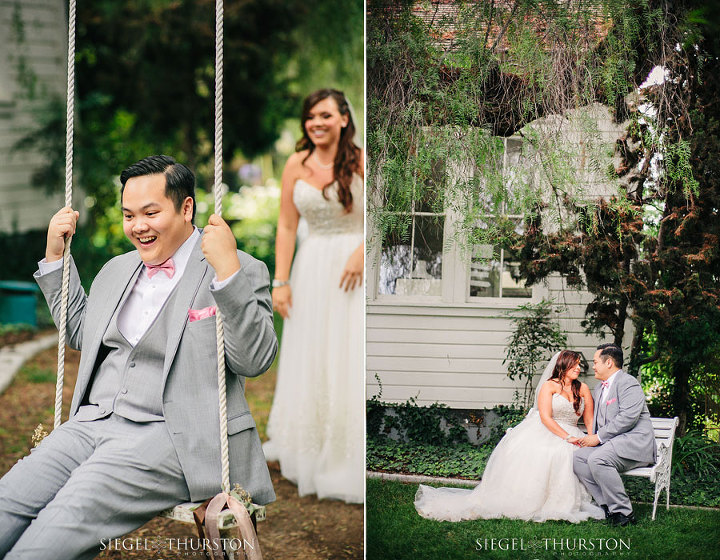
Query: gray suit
{"type": "Point", "coordinates": [106, 472]}
{"type": "Point", "coordinates": [622, 422]}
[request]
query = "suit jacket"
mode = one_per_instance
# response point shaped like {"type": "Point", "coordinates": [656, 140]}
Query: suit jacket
{"type": "Point", "coordinates": [625, 419]}
{"type": "Point", "coordinates": [190, 389]}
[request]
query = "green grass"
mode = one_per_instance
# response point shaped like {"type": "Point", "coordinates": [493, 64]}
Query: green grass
{"type": "Point", "coordinates": [35, 374]}
{"type": "Point", "coordinates": [395, 531]}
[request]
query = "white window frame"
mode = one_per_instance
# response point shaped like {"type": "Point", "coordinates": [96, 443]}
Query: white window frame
{"type": "Point", "coordinates": [455, 266]}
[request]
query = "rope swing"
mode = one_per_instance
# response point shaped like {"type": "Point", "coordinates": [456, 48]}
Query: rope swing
{"type": "Point", "coordinates": [69, 132]}
{"type": "Point", "coordinates": [213, 513]}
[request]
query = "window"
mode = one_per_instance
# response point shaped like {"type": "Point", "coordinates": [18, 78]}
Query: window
{"type": "Point", "coordinates": [492, 273]}
{"type": "Point", "coordinates": [411, 264]}
{"type": "Point", "coordinates": [425, 264]}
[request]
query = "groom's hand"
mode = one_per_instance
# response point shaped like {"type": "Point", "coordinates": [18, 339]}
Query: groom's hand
{"type": "Point", "coordinates": [220, 248]}
{"type": "Point", "coordinates": [589, 441]}
{"type": "Point", "coordinates": [62, 225]}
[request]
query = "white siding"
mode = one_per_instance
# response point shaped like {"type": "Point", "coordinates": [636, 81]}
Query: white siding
{"type": "Point", "coordinates": [454, 354]}
{"type": "Point", "coordinates": [451, 355]}
{"type": "Point", "coordinates": [23, 206]}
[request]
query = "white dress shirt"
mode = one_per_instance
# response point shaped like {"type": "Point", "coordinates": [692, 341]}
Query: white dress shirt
{"type": "Point", "coordinates": [148, 295]}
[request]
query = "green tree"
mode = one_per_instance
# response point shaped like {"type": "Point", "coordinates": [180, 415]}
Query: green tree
{"type": "Point", "coordinates": [145, 84]}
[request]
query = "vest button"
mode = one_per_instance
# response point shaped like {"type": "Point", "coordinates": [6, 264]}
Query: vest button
{"type": "Point", "coordinates": [124, 391]}
{"type": "Point", "coordinates": [132, 364]}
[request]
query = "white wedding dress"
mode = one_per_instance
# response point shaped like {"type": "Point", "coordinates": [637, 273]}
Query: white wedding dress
{"type": "Point", "coordinates": [529, 476]}
{"type": "Point", "coordinates": [316, 422]}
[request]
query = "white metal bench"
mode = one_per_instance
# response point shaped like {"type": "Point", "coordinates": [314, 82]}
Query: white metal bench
{"type": "Point", "coordinates": [659, 473]}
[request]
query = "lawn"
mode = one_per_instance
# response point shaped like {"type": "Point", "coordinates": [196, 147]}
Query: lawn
{"type": "Point", "coordinates": [394, 530]}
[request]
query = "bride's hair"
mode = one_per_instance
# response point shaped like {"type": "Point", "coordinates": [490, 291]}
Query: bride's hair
{"type": "Point", "coordinates": [566, 360]}
{"type": "Point", "coordinates": [347, 159]}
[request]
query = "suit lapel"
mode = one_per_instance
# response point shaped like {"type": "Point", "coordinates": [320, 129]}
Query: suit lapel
{"type": "Point", "coordinates": [195, 272]}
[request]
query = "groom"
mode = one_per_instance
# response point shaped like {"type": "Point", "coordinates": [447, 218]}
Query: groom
{"type": "Point", "coordinates": [143, 433]}
{"type": "Point", "coordinates": [623, 438]}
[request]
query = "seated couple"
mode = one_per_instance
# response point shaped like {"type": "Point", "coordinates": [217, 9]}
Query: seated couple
{"type": "Point", "coordinates": [546, 467]}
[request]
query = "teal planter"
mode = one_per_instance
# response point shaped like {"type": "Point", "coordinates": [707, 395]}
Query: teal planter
{"type": "Point", "coordinates": [18, 302]}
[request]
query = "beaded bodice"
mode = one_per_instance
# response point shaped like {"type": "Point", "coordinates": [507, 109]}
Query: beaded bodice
{"type": "Point", "coordinates": [563, 410]}
{"type": "Point", "coordinates": [328, 216]}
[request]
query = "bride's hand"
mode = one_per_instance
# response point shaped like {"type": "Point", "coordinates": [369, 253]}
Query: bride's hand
{"type": "Point", "coordinates": [282, 300]}
{"type": "Point", "coordinates": [353, 273]}
{"type": "Point", "coordinates": [574, 440]}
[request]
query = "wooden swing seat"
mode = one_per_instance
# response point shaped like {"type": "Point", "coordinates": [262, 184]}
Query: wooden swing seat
{"type": "Point", "coordinates": [226, 520]}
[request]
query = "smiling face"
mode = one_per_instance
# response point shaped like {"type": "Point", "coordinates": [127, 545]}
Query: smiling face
{"type": "Point", "coordinates": [324, 123]}
{"type": "Point", "coordinates": [151, 221]}
{"type": "Point", "coordinates": [574, 372]}
{"type": "Point", "coordinates": [603, 366]}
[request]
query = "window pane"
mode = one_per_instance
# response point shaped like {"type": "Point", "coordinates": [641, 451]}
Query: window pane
{"type": "Point", "coordinates": [394, 262]}
{"type": "Point", "coordinates": [430, 196]}
{"type": "Point", "coordinates": [512, 285]}
{"type": "Point", "coordinates": [485, 272]}
{"type": "Point", "coordinates": [492, 276]}
{"type": "Point", "coordinates": [422, 276]}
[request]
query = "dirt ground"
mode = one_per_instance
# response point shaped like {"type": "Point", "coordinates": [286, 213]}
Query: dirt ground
{"type": "Point", "coordinates": [296, 528]}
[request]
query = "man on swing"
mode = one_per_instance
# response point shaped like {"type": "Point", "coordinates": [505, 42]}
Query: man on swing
{"type": "Point", "coordinates": [143, 433]}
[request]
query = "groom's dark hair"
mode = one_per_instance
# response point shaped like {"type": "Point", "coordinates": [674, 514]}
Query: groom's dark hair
{"type": "Point", "coordinates": [614, 352]}
{"type": "Point", "coordinates": [179, 180]}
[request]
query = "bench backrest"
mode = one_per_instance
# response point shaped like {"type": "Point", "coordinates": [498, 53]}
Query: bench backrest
{"type": "Point", "coordinates": [664, 429]}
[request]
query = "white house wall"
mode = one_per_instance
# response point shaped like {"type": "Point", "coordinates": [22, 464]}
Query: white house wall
{"type": "Point", "coordinates": [454, 354]}
{"type": "Point", "coordinates": [23, 206]}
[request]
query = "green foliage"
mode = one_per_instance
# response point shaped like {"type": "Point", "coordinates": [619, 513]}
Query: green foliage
{"type": "Point", "coordinates": [23, 250]}
{"type": "Point", "coordinates": [536, 336]}
{"type": "Point", "coordinates": [679, 169]}
{"type": "Point", "coordinates": [252, 214]}
{"type": "Point", "coordinates": [145, 73]}
{"type": "Point", "coordinates": [695, 453]}
{"type": "Point", "coordinates": [434, 424]}
{"type": "Point", "coordinates": [15, 328]}
{"type": "Point", "coordinates": [33, 374]}
{"type": "Point", "coordinates": [462, 460]}
{"type": "Point", "coordinates": [473, 73]}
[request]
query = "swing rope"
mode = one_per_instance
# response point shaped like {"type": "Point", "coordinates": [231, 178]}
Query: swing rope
{"type": "Point", "coordinates": [68, 202]}
{"type": "Point", "coordinates": [218, 190]}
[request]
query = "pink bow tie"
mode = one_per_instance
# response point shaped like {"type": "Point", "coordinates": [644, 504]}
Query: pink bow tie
{"type": "Point", "coordinates": [168, 267]}
{"type": "Point", "coordinates": [605, 384]}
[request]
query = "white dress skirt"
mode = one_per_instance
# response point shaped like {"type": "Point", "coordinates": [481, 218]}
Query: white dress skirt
{"type": "Point", "coordinates": [316, 422]}
{"type": "Point", "coordinates": [529, 476]}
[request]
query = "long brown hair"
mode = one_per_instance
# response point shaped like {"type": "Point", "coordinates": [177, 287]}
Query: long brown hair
{"type": "Point", "coordinates": [347, 159]}
{"type": "Point", "coordinates": [566, 360]}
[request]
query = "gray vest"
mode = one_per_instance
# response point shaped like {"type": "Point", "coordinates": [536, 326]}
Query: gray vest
{"type": "Point", "coordinates": [129, 379]}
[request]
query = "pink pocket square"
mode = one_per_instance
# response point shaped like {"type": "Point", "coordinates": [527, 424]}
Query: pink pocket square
{"type": "Point", "coordinates": [197, 314]}
{"type": "Point", "coordinates": [611, 401]}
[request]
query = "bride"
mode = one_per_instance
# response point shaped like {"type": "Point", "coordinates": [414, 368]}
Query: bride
{"type": "Point", "coordinates": [316, 421]}
{"type": "Point", "coordinates": [530, 475]}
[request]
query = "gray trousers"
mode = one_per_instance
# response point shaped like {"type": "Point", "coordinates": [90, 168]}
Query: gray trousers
{"type": "Point", "coordinates": [599, 468]}
{"type": "Point", "coordinates": [85, 483]}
